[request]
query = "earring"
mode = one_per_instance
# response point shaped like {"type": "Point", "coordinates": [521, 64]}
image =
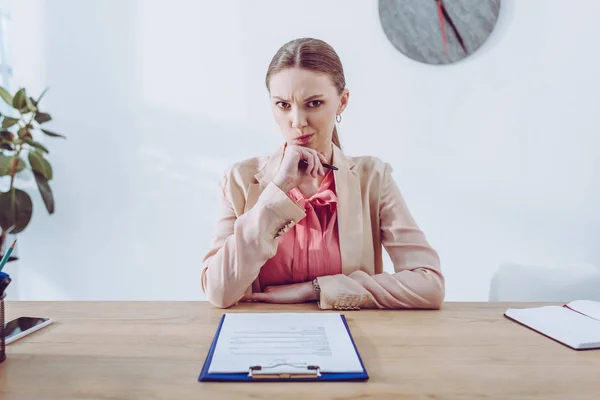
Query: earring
{"type": "Point", "coordinates": [338, 118]}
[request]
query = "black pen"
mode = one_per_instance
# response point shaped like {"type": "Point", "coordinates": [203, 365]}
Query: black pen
{"type": "Point", "coordinates": [323, 164]}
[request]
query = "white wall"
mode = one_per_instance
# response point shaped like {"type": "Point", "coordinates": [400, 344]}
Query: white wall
{"type": "Point", "coordinates": [496, 155]}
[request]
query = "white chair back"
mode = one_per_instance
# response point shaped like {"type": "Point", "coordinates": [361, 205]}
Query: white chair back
{"type": "Point", "coordinates": [514, 282]}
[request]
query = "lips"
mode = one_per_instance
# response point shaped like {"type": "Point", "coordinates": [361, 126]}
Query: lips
{"type": "Point", "coordinates": [304, 137]}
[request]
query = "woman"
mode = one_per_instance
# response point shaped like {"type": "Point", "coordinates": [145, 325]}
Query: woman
{"type": "Point", "coordinates": [292, 230]}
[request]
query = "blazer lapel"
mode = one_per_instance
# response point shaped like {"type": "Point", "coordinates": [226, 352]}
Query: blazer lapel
{"type": "Point", "coordinates": [350, 217]}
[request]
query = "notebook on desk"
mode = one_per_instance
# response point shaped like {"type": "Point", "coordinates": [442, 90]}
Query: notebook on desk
{"type": "Point", "coordinates": [575, 324]}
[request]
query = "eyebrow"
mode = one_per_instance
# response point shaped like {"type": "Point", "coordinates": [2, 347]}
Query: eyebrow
{"type": "Point", "coordinates": [313, 97]}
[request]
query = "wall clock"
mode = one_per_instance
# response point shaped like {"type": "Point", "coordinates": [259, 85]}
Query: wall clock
{"type": "Point", "coordinates": [438, 31]}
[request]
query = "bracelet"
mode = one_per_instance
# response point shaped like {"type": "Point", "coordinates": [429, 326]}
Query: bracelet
{"type": "Point", "coordinates": [317, 288]}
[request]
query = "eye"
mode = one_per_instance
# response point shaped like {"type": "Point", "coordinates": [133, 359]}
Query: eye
{"type": "Point", "coordinates": [283, 105]}
{"type": "Point", "coordinates": [314, 103]}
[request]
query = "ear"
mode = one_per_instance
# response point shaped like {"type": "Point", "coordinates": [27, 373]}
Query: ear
{"type": "Point", "coordinates": [343, 101]}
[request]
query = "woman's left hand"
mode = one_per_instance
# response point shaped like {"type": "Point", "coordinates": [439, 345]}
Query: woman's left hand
{"type": "Point", "coordinates": [284, 294]}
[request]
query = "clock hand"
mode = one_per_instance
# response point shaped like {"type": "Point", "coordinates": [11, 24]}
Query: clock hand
{"type": "Point", "coordinates": [442, 25]}
{"type": "Point", "coordinates": [451, 23]}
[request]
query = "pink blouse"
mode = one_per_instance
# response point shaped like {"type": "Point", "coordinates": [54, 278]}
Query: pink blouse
{"type": "Point", "coordinates": [311, 248]}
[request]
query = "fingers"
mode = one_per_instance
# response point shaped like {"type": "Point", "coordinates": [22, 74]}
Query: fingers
{"type": "Point", "coordinates": [322, 158]}
{"type": "Point", "coordinates": [246, 297]}
{"type": "Point", "coordinates": [310, 159]}
{"type": "Point", "coordinates": [314, 161]}
{"type": "Point", "coordinates": [321, 161]}
{"type": "Point", "coordinates": [255, 297]}
{"type": "Point", "coordinates": [316, 164]}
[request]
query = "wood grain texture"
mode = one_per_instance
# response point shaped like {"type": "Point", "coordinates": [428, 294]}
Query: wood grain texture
{"type": "Point", "coordinates": [140, 350]}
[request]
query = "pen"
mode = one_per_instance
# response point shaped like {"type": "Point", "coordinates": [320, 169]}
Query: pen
{"type": "Point", "coordinates": [323, 164]}
{"type": "Point", "coordinates": [7, 255]}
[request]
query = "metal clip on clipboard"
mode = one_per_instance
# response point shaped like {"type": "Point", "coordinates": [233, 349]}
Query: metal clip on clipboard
{"type": "Point", "coordinates": [284, 371]}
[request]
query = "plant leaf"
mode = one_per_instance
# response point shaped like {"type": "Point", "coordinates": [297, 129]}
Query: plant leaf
{"type": "Point", "coordinates": [19, 101]}
{"type": "Point", "coordinates": [7, 122]}
{"type": "Point", "coordinates": [23, 132]}
{"type": "Point", "coordinates": [41, 117]}
{"type": "Point", "coordinates": [40, 165]}
{"type": "Point", "coordinates": [53, 134]}
{"type": "Point", "coordinates": [7, 97]}
{"type": "Point", "coordinates": [45, 191]}
{"type": "Point", "coordinates": [6, 140]}
{"type": "Point", "coordinates": [8, 135]}
{"type": "Point", "coordinates": [23, 210]}
{"type": "Point", "coordinates": [29, 107]}
{"type": "Point", "coordinates": [6, 164]}
{"type": "Point", "coordinates": [41, 95]}
{"type": "Point", "coordinates": [37, 145]}
{"type": "Point", "coordinates": [5, 211]}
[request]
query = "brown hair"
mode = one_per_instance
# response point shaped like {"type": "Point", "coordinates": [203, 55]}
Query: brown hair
{"type": "Point", "coordinates": [315, 55]}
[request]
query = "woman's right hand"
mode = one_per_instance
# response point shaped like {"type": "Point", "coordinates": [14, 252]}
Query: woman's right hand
{"type": "Point", "coordinates": [292, 171]}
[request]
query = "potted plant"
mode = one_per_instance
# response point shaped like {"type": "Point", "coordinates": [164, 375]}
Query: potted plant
{"type": "Point", "coordinates": [19, 130]}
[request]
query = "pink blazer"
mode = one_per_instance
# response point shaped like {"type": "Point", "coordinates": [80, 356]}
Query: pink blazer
{"type": "Point", "coordinates": [371, 214]}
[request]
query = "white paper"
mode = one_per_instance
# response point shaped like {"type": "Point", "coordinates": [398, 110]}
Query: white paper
{"type": "Point", "coordinates": [587, 307]}
{"type": "Point", "coordinates": [269, 339]}
{"type": "Point", "coordinates": [566, 326]}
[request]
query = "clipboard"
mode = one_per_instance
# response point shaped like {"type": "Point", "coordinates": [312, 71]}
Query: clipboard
{"type": "Point", "coordinates": [280, 372]}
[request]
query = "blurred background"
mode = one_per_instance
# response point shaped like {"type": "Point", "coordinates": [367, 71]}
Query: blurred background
{"type": "Point", "coordinates": [496, 155]}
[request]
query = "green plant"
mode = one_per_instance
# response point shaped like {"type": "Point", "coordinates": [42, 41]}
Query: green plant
{"type": "Point", "coordinates": [17, 139]}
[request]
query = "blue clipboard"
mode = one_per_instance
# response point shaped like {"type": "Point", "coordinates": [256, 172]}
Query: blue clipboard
{"type": "Point", "coordinates": [205, 376]}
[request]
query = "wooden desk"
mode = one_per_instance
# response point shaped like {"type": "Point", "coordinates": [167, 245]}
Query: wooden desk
{"type": "Point", "coordinates": [156, 350]}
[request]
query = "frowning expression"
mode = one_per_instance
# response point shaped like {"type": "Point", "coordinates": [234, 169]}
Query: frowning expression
{"type": "Point", "coordinates": [304, 105]}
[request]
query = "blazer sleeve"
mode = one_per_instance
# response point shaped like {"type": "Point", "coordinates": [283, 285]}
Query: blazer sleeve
{"type": "Point", "coordinates": [242, 244]}
{"type": "Point", "coordinates": [417, 282]}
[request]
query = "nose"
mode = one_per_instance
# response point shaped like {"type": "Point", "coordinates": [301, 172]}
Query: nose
{"type": "Point", "coordinates": [299, 119]}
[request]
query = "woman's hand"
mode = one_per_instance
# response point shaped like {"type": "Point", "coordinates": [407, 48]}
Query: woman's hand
{"type": "Point", "coordinates": [284, 294]}
{"type": "Point", "coordinates": [291, 172]}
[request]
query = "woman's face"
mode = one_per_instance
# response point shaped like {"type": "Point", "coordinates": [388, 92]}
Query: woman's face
{"type": "Point", "coordinates": [304, 105]}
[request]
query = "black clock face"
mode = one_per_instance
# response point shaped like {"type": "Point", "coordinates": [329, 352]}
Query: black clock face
{"type": "Point", "coordinates": [438, 31]}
